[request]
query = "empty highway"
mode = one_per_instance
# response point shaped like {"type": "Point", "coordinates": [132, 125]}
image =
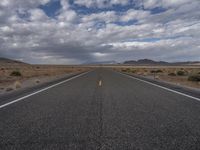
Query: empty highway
{"type": "Point", "coordinates": [101, 110]}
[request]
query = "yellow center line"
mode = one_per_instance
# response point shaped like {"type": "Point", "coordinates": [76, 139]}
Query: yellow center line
{"type": "Point", "coordinates": [100, 83]}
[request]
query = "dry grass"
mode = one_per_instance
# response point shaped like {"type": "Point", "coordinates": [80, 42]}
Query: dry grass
{"type": "Point", "coordinates": [7, 77]}
{"type": "Point", "coordinates": [8, 89]}
{"type": "Point", "coordinates": [17, 84]}
{"type": "Point", "coordinates": [174, 74]}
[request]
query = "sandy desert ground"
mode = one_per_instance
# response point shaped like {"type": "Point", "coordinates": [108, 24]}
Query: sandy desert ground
{"type": "Point", "coordinates": [188, 76]}
{"type": "Point", "coordinates": [17, 76]}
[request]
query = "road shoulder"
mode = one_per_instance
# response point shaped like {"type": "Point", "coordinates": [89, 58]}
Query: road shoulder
{"type": "Point", "coordinates": [185, 90]}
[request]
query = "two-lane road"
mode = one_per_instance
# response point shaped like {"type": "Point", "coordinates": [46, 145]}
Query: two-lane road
{"type": "Point", "coordinates": [102, 110]}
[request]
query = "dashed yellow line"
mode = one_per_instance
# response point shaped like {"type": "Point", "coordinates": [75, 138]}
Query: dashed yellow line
{"type": "Point", "coordinates": [100, 83]}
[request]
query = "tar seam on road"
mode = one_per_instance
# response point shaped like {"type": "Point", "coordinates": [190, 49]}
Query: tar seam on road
{"type": "Point", "coordinates": [162, 87]}
{"type": "Point", "coordinates": [49, 87]}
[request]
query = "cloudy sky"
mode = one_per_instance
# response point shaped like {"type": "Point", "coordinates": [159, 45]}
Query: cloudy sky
{"type": "Point", "coordinates": [80, 31]}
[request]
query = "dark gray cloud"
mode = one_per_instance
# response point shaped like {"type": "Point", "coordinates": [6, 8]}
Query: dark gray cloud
{"type": "Point", "coordinates": [27, 33]}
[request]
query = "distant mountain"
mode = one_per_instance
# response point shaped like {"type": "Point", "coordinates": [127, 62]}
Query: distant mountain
{"type": "Point", "coordinates": [152, 62]}
{"type": "Point", "coordinates": [146, 62]}
{"type": "Point", "coordinates": [101, 63]}
{"type": "Point", "coordinates": [10, 61]}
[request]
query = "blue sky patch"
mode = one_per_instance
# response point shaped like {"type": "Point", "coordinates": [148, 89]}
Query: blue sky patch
{"type": "Point", "coordinates": [51, 9]}
{"type": "Point", "coordinates": [151, 40]}
{"type": "Point", "coordinates": [128, 23]}
{"type": "Point", "coordinates": [158, 10]}
{"type": "Point", "coordinates": [100, 25]}
{"type": "Point", "coordinates": [117, 8]}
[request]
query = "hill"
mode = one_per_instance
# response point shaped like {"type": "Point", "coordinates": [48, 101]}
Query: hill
{"type": "Point", "coordinates": [101, 63]}
{"type": "Point", "coordinates": [6, 61]}
{"type": "Point", "coordinates": [145, 62]}
{"type": "Point", "coordinates": [152, 62]}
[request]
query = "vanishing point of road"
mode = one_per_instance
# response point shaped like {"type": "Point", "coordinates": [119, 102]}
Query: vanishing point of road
{"type": "Point", "coordinates": [101, 110]}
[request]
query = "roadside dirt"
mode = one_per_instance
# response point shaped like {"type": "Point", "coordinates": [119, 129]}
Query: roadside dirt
{"type": "Point", "coordinates": [14, 77]}
{"type": "Point", "coordinates": [168, 74]}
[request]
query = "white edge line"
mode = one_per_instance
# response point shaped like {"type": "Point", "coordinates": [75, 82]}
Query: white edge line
{"type": "Point", "coordinates": [162, 87]}
{"type": "Point", "coordinates": [44, 89]}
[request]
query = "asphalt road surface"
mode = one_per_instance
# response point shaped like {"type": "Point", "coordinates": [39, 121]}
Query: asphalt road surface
{"type": "Point", "coordinates": [101, 110]}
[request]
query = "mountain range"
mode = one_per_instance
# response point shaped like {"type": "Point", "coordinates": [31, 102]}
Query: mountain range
{"type": "Point", "coordinates": [152, 62]}
{"type": "Point", "coordinates": [10, 61]}
{"type": "Point", "coordinates": [129, 62]}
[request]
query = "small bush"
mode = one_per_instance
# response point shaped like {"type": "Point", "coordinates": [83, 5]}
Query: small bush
{"type": "Point", "coordinates": [133, 71]}
{"type": "Point", "coordinates": [194, 78]}
{"type": "Point", "coordinates": [37, 81]}
{"type": "Point", "coordinates": [171, 74]}
{"type": "Point", "coordinates": [153, 71]}
{"type": "Point", "coordinates": [180, 73]}
{"type": "Point", "coordinates": [126, 70]}
{"type": "Point", "coordinates": [156, 71]}
{"type": "Point", "coordinates": [8, 89]}
{"type": "Point", "coordinates": [16, 73]}
{"type": "Point", "coordinates": [123, 70]}
{"type": "Point", "coordinates": [159, 71]}
{"type": "Point", "coordinates": [46, 74]}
